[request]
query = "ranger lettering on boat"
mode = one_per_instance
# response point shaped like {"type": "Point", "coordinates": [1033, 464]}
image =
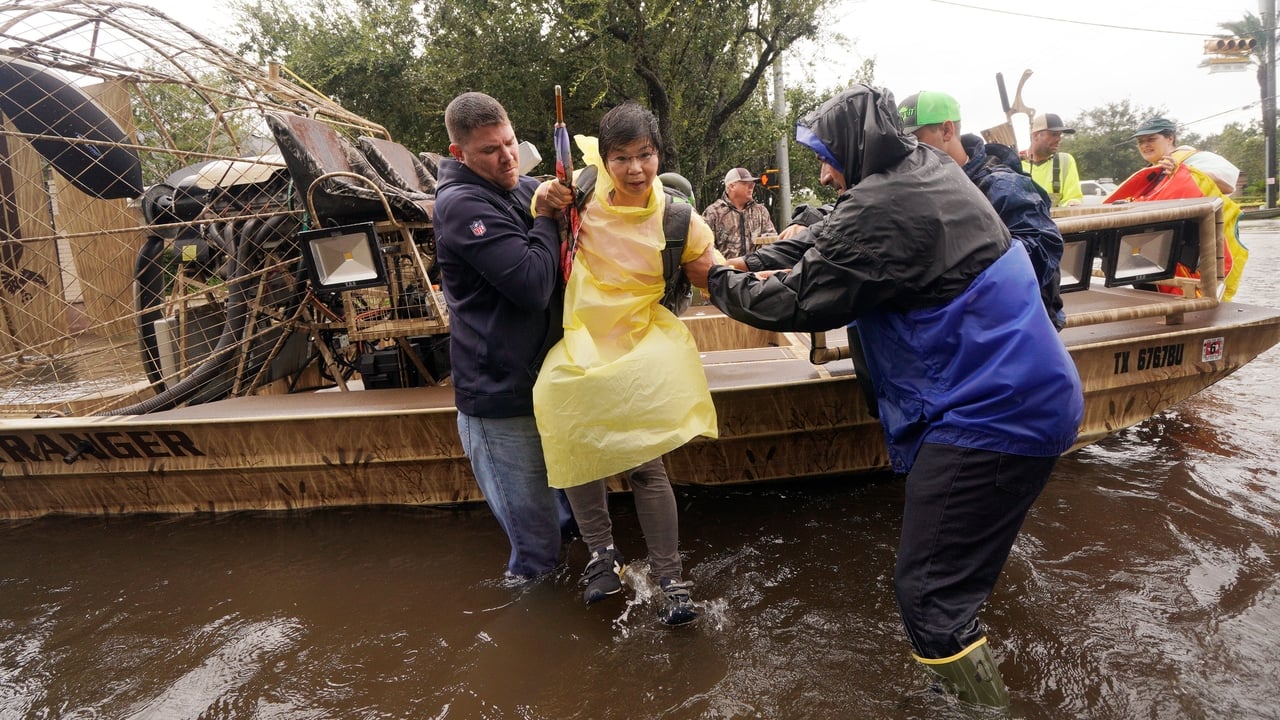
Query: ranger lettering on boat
{"type": "Point", "coordinates": [133, 444]}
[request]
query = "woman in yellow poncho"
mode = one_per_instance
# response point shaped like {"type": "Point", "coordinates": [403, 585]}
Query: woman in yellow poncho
{"type": "Point", "coordinates": [625, 385]}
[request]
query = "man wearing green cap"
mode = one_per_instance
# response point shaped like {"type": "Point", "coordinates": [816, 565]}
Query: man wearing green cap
{"type": "Point", "coordinates": [934, 118]}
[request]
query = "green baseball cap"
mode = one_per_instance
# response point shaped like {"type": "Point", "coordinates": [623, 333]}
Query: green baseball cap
{"type": "Point", "coordinates": [1153, 125]}
{"type": "Point", "coordinates": [927, 108]}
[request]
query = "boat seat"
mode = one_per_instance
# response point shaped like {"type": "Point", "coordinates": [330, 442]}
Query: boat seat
{"type": "Point", "coordinates": [397, 165]}
{"type": "Point", "coordinates": [431, 161]}
{"type": "Point", "coordinates": [753, 371]}
{"type": "Point", "coordinates": [340, 185]}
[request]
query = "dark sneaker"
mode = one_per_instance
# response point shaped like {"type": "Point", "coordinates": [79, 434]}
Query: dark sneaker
{"type": "Point", "coordinates": [677, 604]}
{"type": "Point", "coordinates": [603, 576]}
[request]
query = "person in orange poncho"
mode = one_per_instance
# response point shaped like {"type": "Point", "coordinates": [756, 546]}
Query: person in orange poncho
{"type": "Point", "coordinates": [1181, 171]}
{"type": "Point", "coordinates": [626, 383]}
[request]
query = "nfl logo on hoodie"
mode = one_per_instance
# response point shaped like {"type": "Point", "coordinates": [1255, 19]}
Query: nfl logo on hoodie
{"type": "Point", "coordinates": [477, 227]}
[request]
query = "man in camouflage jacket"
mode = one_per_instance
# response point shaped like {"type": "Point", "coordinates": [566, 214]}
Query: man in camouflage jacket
{"type": "Point", "coordinates": [736, 217]}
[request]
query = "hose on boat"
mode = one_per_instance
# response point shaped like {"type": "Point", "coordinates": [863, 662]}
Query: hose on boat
{"type": "Point", "coordinates": [148, 284]}
{"type": "Point", "coordinates": [252, 235]}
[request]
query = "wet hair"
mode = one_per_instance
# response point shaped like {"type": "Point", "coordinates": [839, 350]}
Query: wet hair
{"type": "Point", "coordinates": [627, 123]}
{"type": "Point", "coordinates": [469, 111]}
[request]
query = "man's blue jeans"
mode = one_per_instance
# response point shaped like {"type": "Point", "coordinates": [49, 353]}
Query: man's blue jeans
{"type": "Point", "coordinates": [506, 458]}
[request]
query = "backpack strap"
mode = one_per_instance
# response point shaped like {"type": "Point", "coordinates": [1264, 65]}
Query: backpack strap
{"type": "Point", "coordinates": [675, 227]}
{"type": "Point", "coordinates": [584, 186]}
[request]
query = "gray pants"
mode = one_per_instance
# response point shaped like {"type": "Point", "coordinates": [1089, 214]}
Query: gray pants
{"type": "Point", "coordinates": [655, 507]}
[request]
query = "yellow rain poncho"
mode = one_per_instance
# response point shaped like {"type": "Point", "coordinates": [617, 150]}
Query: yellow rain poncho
{"type": "Point", "coordinates": [625, 385]}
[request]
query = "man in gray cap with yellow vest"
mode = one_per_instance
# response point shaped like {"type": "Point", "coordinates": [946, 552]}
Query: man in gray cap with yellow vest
{"type": "Point", "coordinates": [1054, 171]}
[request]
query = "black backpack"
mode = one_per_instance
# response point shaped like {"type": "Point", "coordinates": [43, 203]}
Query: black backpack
{"type": "Point", "coordinates": [676, 217]}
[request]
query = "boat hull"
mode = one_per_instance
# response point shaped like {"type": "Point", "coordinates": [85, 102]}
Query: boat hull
{"type": "Point", "coordinates": [780, 418]}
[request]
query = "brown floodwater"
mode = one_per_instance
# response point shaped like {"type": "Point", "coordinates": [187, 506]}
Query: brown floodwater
{"type": "Point", "coordinates": [1146, 584]}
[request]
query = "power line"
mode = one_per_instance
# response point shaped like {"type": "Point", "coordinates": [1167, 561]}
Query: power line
{"type": "Point", "coordinates": [1064, 20]}
{"type": "Point", "coordinates": [1249, 106]}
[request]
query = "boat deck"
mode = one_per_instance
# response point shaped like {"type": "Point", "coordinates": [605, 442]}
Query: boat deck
{"type": "Point", "coordinates": [748, 367]}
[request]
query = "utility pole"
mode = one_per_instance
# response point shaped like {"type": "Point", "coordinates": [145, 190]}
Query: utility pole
{"type": "Point", "coordinates": [1269, 102]}
{"type": "Point", "coordinates": [784, 161]}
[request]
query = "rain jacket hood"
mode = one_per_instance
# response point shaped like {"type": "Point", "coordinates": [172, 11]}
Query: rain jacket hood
{"type": "Point", "coordinates": [960, 348]}
{"type": "Point", "coordinates": [860, 130]}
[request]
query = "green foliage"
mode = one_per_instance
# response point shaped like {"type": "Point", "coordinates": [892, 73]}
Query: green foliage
{"type": "Point", "coordinates": [1101, 145]}
{"type": "Point", "coordinates": [365, 54]}
{"type": "Point", "coordinates": [173, 118]}
{"type": "Point", "coordinates": [701, 66]}
{"type": "Point", "coordinates": [1245, 148]}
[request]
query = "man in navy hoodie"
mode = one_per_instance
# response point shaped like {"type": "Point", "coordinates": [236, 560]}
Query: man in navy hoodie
{"type": "Point", "coordinates": [499, 268]}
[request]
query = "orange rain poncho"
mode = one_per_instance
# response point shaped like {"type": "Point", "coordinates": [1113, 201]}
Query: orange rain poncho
{"type": "Point", "coordinates": [1187, 181]}
{"type": "Point", "coordinates": [626, 384]}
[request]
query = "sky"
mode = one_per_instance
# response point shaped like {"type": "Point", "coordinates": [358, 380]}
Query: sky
{"type": "Point", "coordinates": [1083, 54]}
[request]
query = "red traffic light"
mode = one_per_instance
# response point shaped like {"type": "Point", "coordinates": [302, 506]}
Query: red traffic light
{"type": "Point", "coordinates": [769, 179]}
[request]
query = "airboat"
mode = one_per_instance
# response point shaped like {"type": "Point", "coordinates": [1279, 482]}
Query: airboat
{"type": "Point", "coordinates": [219, 294]}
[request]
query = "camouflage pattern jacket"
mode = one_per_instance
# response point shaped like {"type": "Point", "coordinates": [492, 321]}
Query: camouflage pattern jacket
{"type": "Point", "coordinates": [736, 230]}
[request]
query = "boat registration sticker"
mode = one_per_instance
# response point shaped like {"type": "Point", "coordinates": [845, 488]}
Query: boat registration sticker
{"type": "Point", "coordinates": [1211, 350]}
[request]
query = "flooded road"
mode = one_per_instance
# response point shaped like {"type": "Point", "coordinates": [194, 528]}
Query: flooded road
{"type": "Point", "coordinates": [1146, 584]}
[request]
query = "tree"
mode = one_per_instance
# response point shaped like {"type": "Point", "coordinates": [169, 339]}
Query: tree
{"type": "Point", "coordinates": [1250, 26]}
{"type": "Point", "coordinates": [697, 64]}
{"type": "Point", "coordinates": [1244, 147]}
{"type": "Point", "coordinates": [1102, 145]}
{"type": "Point", "coordinates": [365, 54]}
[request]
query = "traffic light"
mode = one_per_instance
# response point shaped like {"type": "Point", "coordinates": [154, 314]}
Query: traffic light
{"type": "Point", "coordinates": [769, 179]}
{"type": "Point", "coordinates": [1230, 46]}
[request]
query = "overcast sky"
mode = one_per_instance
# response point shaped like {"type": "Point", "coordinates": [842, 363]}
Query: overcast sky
{"type": "Point", "coordinates": [1083, 54]}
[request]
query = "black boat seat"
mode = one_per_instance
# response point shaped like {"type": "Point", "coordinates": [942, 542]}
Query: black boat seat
{"type": "Point", "coordinates": [432, 161]}
{"type": "Point", "coordinates": [338, 182]}
{"type": "Point", "coordinates": [397, 165]}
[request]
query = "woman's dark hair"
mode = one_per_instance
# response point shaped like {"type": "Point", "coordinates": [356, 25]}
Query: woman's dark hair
{"type": "Point", "coordinates": [627, 123]}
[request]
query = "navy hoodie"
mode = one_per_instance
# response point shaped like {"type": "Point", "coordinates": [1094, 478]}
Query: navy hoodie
{"type": "Point", "coordinates": [499, 268]}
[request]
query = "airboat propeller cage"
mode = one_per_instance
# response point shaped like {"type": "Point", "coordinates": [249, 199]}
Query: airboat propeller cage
{"type": "Point", "coordinates": [80, 141]}
{"type": "Point", "coordinates": [343, 258]}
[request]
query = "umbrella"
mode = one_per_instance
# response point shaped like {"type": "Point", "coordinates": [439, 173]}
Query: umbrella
{"type": "Point", "coordinates": [570, 219]}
